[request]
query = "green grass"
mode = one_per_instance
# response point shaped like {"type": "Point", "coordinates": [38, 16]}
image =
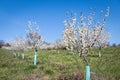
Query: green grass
{"type": "Point", "coordinates": [63, 65]}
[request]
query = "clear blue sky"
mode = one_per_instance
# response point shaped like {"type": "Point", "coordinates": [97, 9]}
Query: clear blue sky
{"type": "Point", "coordinates": [50, 14]}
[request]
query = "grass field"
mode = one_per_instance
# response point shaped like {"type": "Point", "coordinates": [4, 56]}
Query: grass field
{"type": "Point", "coordinates": [54, 65]}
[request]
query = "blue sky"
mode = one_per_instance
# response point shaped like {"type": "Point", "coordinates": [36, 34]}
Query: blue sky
{"type": "Point", "coordinates": [50, 14]}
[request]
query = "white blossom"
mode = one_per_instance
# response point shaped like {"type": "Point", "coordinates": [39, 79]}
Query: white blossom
{"type": "Point", "coordinates": [85, 36]}
{"type": "Point", "coordinates": [33, 37]}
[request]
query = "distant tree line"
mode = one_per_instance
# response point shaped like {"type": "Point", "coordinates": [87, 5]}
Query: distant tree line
{"type": "Point", "coordinates": [115, 45]}
{"type": "Point", "coordinates": [2, 43]}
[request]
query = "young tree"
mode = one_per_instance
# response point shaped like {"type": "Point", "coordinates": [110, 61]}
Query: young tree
{"type": "Point", "coordinates": [34, 38]}
{"type": "Point", "coordinates": [13, 47]}
{"type": "Point", "coordinates": [58, 44]}
{"type": "Point", "coordinates": [85, 35]}
{"type": "Point", "coordinates": [19, 45]}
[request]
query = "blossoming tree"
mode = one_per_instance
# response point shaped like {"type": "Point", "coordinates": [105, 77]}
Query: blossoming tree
{"type": "Point", "coordinates": [85, 35]}
{"type": "Point", "coordinates": [19, 45]}
{"type": "Point", "coordinates": [34, 38]}
{"type": "Point", "coordinates": [69, 34]}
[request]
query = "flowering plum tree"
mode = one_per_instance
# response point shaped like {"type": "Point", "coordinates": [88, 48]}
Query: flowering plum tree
{"type": "Point", "coordinates": [69, 34]}
{"type": "Point", "coordinates": [85, 35]}
{"type": "Point", "coordinates": [19, 45]}
{"type": "Point", "coordinates": [34, 38]}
